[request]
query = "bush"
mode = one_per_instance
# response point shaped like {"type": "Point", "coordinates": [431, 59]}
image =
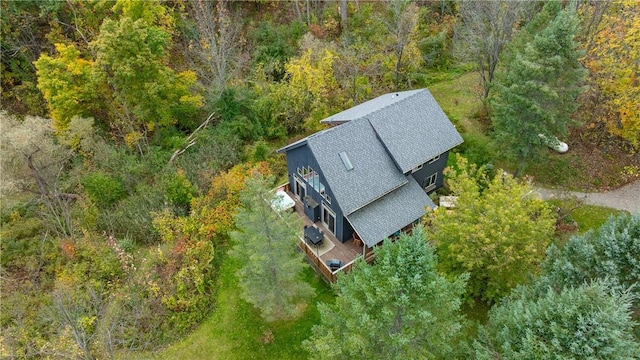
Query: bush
{"type": "Point", "coordinates": [477, 148]}
{"type": "Point", "coordinates": [274, 45]}
{"type": "Point", "coordinates": [104, 190]}
{"type": "Point", "coordinates": [132, 216]}
{"type": "Point", "coordinates": [179, 190]}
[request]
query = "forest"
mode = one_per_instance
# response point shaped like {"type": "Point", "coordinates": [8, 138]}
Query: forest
{"type": "Point", "coordinates": [139, 139]}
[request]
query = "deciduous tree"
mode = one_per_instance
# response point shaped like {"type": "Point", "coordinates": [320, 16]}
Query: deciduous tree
{"type": "Point", "coordinates": [132, 60]}
{"type": "Point", "coordinates": [498, 231]}
{"type": "Point", "coordinates": [33, 162]}
{"type": "Point", "coordinates": [615, 70]}
{"type": "Point", "coordinates": [485, 30]}
{"type": "Point", "coordinates": [219, 42]}
{"type": "Point", "coordinates": [266, 246]}
{"type": "Point", "coordinates": [397, 308]}
{"type": "Point", "coordinates": [401, 23]}
{"type": "Point", "coordinates": [67, 84]}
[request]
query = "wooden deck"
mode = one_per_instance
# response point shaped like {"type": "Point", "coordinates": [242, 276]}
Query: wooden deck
{"type": "Point", "coordinates": [346, 252]}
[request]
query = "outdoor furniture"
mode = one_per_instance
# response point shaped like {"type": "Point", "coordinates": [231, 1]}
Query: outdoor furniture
{"type": "Point", "coordinates": [313, 235]}
{"type": "Point", "coordinates": [334, 264]}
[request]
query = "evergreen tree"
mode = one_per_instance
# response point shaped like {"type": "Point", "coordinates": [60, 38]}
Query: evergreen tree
{"type": "Point", "coordinates": [397, 308]}
{"type": "Point", "coordinates": [537, 92]}
{"type": "Point", "coordinates": [587, 322]}
{"type": "Point", "coordinates": [265, 243]}
{"type": "Point", "coordinates": [611, 254]}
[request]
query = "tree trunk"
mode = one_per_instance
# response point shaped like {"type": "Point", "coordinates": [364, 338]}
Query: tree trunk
{"type": "Point", "coordinates": [398, 64]}
{"type": "Point", "coordinates": [343, 14]}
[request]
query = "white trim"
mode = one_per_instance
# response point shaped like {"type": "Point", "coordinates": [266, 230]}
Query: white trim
{"type": "Point", "coordinates": [431, 184]}
{"type": "Point", "coordinates": [326, 224]}
{"type": "Point", "coordinates": [431, 161]}
{"type": "Point", "coordinates": [417, 168]}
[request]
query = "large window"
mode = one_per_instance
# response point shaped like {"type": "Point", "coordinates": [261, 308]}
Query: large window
{"type": "Point", "coordinates": [430, 182]}
{"type": "Point", "coordinates": [316, 182]}
{"type": "Point", "coordinates": [328, 218]}
{"type": "Point", "coordinates": [313, 178]}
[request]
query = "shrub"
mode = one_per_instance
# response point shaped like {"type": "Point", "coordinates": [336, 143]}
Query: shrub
{"type": "Point", "coordinates": [103, 189]}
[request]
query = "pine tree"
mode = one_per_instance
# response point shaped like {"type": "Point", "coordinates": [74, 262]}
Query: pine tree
{"type": "Point", "coordinates": [587, 322]}
{"type": "Point", "coordinates": [265, 243]}
{"type": "Point", "coordinates": [611, 254]}
{"type": "Point", "coordinates": [537, 92]}
{"type": "Point", "coordinates": [397, 308]}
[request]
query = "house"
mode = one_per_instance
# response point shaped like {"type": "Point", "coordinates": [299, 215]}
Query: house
{"type": "Point", "coordinates": [369, 175]}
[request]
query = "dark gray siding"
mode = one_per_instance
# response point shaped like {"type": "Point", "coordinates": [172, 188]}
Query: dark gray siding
{"type": "Point", "coordinates": [300, 157]}
{"type": "Point", "coordinates": [429, 169]}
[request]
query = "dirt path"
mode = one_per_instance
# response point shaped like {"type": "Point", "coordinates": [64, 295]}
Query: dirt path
{"type": "Point", "coordinates": [625, 198]}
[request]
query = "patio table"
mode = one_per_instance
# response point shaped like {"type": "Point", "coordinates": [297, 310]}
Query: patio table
{"type": "Point", "coordinates": [313, 235]}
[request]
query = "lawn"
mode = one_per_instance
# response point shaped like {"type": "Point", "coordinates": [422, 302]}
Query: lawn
{"type": "Point", "coordinates": [460, 102]}
{"type": "Point", "coordinates": [235, 329]}
{"type": "Point", "coordinates": [588, 217]}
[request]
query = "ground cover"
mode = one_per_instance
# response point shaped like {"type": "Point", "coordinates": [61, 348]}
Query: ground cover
{"type": "Point", "coordinates": [235, 329]}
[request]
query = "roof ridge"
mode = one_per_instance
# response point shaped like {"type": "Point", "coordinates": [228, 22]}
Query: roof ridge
{"type": "Point", "coordinates": [418, 91]}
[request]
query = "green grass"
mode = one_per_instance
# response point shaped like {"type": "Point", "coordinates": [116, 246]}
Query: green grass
{"type": "Point", "coordinates": [235, 329]}
{"type": "Point", "coordinates": [588, 217]}
{"type": "Point", "coordinates": [592, 217]}
{"type": "Point", "coordinates": [460, 102]}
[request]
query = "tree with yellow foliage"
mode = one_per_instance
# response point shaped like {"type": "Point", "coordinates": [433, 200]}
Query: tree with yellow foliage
{"type": "Point", "coordinates": [614, 65]}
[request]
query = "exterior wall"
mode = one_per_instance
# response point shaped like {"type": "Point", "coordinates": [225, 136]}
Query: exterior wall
{"type": "Point", "coordinates": [429, 169]}
{"type": "Point", "coordinates": [301, 157]}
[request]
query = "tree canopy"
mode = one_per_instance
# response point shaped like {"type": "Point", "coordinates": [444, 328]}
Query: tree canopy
{"type": "Point", "coordinates": [610, 254]}
{"type": "Point", "coordinates": [585, 322]}
{"type": "Point", "coordinates": [266, 246]}
{"type": "Point", "coordinates": [398, 308]}
{"type": "Point", "coordinates": [497, 232]}
{"type": "Point", "coordinates": [536, 92]}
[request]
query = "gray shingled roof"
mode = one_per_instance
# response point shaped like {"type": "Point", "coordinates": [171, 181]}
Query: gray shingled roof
{"type": "Point", "coordinates": [374, 173]}
{"type": "Point", "coordinates": [380, 219]}
{"type": "Point", "coordinates": [366, 108]}
{"type": "Point", "coordinates": [414, 130]}
{"type": "Point", "coordinates": [383, 138]}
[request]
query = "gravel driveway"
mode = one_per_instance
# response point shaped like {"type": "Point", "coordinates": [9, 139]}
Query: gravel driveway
{"type": "Point", "coordinates": [625, 198]}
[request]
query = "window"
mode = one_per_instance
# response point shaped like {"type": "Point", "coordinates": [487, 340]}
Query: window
{"type": "Point", "coordinates": [309, 178]}
{"type": "Point", "coordinates": [322, 189]}
{"type": "Point", "coordinates": [304, 173]}
{"type": "Point", "coordinates": [434, 159]}
{"type": "Point", "coordinates": [300, 172]}
{"type": "Point", "coordinates": [417, 168]}
{"type": "Point", "coordinates": [430, 182]}
{"type": "Point", "coordinates": [316, 181]}
{"type": "Point", "coordinates": [328, 218]}
{"type": "Point", "coordinates": [328, 198]}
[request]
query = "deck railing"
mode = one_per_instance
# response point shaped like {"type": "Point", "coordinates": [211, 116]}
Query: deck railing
{"type": "Point", "coordinates": [319, 264]}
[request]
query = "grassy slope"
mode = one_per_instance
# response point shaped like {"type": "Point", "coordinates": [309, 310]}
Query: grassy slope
{"type": "Point", "coordinates": [235, 329]}
{"type": "Point", "coordinates": [459, 100]}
